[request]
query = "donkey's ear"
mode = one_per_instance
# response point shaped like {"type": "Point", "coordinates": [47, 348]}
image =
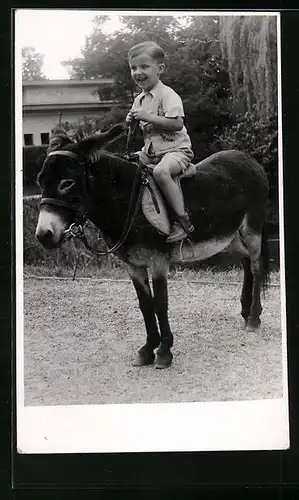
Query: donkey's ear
{"type": "Point", "coordinates": [98, 141]}
{"type": "Point", "coordinates": [41, 160]}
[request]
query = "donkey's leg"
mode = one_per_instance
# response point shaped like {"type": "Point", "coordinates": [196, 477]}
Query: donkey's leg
{"type": "Point", "coordinates": [253, 239]}
{"type": "Point", "coordinates": [145, 355]}
{"type": "Point", "coordinates": [239, 246]}
{"type": "Point", "coordinates": [246, 296]}
{"type": "Point", "coordinates": [159, 270]}
{"type": "Point", "coordinates": [164, 355]}
{"type": "Point", "coordinates": [253, 321]}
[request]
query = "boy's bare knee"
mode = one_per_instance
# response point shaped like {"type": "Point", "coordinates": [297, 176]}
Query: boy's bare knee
{"type": "Point", "coordinates": [161, 174]}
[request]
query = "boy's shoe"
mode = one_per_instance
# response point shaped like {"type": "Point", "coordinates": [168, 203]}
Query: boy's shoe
{"type": "Point", "coordinates": [180, 229]}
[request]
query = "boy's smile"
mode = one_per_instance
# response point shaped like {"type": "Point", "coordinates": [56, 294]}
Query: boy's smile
{"type": "Point", "coordinates": [145, 71]}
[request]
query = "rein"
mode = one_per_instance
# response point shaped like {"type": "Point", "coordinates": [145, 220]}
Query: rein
{"type": "Point", "coordinates": [76, 229]}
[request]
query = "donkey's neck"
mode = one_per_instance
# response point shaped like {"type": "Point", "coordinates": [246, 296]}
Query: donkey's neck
{"type": "Point", "coordinates": [111, 187]}
{"type": "Point", "coordinates": [114, 167]}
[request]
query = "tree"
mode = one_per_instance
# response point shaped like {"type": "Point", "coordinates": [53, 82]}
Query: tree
{"type": "Point", "coordinates": [194, 67]}
{"type": "Point", "coordinates": [191, 57]}
{"type": "Point", "coordinates": [32, 63]}
{"type": "Point", "coordinates": [249, 45]}
{"type": "Point", "coordinates": [224, 68]}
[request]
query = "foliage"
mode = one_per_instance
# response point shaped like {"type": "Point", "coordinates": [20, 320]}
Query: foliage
{"type": "Point", "coordinates": [259, 138]}
{"type": "Point", "coordinates": [194, 65]}
{"type": "Point", "coordinates": [256, 137]}
{"type": "Point", "coordinates": [82, 128]}
{"type": "Point", "coordinates": [224, 68]}
{"type": "Point", "coordinates": [194, 69]}
{"type": "Point", "coordinates": [90, 125]}
{"type": "Point", "coordinates": [248, 45]}
{"type": "Point", "coordinates": [32, 63]}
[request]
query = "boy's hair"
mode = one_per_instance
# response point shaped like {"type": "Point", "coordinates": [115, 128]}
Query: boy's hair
{"type": "Point", "coordinates": [152, 48]}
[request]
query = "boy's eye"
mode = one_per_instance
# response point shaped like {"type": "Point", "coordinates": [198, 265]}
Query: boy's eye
{"type": "Point", "coordinates": [144, 66]}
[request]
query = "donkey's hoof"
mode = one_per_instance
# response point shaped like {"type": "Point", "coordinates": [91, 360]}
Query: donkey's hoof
{"type": "Point", "coordinates": [143, 359]}
{"type": "Point", "coordinates": [163, 360]}
{"type": "Point", "coordinates": [252, 325]}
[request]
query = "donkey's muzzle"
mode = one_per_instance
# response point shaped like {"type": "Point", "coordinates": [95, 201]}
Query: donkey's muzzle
{"type": "Point", "coordinates": [46, 238]}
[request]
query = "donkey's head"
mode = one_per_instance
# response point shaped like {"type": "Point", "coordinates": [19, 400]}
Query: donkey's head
{"type": "Point", "coordinates": [63, 180]}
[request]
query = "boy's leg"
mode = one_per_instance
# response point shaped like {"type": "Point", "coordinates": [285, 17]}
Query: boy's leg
{"type": "Point", "coordinates": [170, 166]}
{"type": "Point", "coordinates": [163, 174]}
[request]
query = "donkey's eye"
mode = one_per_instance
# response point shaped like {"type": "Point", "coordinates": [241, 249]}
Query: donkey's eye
{"type": "Point", "coordinates": [65, 185]}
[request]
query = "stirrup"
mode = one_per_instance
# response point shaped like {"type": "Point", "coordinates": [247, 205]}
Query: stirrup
{"type": "Point", "coordinates": [177, 234]}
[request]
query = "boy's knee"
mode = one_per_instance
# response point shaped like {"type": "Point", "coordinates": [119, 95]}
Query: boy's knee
{"type": "Point", "coordinates": [161, 174]}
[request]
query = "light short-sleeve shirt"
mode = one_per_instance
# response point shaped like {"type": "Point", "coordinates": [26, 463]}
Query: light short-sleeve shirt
{"type": "Point", "coordinates": [162, 100]}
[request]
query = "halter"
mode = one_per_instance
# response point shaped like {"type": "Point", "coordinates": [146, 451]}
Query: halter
{"type": "Point", "coordinates": [76, 228]}
{"type": "Point", "coordinates": [81, 215]}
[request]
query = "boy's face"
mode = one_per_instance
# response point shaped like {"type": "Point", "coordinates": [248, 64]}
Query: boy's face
{"type": "Point", "coordinates": [145, 71]}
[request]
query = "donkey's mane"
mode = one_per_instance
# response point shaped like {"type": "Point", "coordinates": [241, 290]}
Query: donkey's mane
{"type": "Point", "coordinates": [102, 155]}
{"type": "Point", "coordinates": [60, 139]}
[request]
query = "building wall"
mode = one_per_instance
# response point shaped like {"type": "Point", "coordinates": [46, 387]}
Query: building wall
{"type": "Point", "coordinates": [45, 101]}
{"type": "Point", "coordinates": [59, 94]}
{"type": "Point", "coordinates": [37, 123]}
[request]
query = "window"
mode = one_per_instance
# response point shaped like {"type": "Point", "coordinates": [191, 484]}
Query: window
{"type": "Point", "coordinates": [44, 137]}
{"type": "Point", "coordinates": [28, 139]}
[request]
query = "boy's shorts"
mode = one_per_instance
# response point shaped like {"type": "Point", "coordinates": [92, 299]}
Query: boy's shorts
{"type": "Point", "coordinates": [182, 156]}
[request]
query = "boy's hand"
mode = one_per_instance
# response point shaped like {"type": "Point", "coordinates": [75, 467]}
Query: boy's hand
{"type": "Point", "coordinates": [129, 118]}
{"type": "Point", "coordinates": [142, 115]}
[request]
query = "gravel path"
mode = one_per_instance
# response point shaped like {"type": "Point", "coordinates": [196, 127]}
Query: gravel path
{"type": "Point", "coordinates": [81, 336]}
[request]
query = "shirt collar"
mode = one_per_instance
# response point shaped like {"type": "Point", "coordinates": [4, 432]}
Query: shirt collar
{"type": "Point", "coordinates": [154, 91]}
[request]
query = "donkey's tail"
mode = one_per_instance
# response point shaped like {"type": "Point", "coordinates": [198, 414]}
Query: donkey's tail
{"type": "Point", "coordinates": [265, 259]}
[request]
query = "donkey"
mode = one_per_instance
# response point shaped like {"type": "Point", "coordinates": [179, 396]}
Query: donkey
{"type": "Point", "coordinates": [226, 198]}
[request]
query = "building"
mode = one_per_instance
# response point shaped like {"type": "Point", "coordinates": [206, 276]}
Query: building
{"type": "Point", "coordinates": [47, 102]}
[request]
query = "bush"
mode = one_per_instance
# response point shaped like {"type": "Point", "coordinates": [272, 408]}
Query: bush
{"type": "Point", "coordinates": [32, 162]}
{"type": "Point", "coordinates": [88, 126]}
{"type": "Point", "coordinates": [260, 140]}
{"type": "Point", "coordinates": [205, 121]}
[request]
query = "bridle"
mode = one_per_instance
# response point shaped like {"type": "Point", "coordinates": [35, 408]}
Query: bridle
{"type": "Point", "coordinates": [81, 215]}
{"type": "Point", "coordinates": [76, 229]}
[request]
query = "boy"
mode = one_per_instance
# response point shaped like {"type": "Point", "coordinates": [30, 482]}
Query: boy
{"type": "Point", "coordinates": [166, 141]}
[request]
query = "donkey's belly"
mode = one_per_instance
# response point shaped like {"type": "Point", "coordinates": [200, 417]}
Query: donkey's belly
{"type": "Point", "coordinates": [196, 252]}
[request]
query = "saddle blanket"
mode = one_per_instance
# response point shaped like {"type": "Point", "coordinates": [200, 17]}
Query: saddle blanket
{"type": "Point", "coordinates": [160, 220]}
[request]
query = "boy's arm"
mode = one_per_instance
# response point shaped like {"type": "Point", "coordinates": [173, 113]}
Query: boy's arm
{"type": "Point", "coordinates": [167, 123]}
